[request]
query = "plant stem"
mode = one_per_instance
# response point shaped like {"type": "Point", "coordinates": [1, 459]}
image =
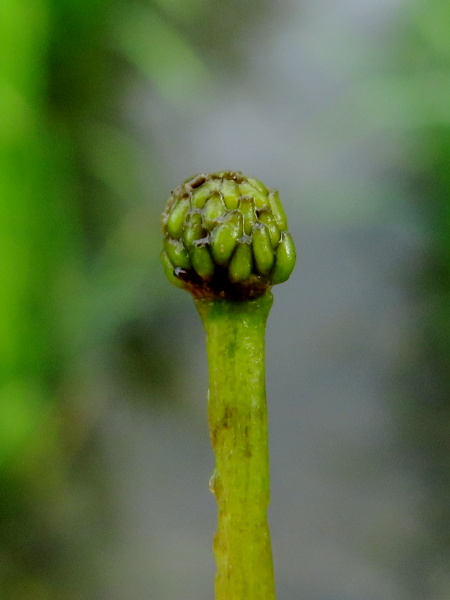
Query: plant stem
{"type": "Point", "coordinates": [237, 415]}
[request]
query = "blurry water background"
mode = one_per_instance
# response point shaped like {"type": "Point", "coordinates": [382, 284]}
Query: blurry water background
{"type": "Point", "coordinates": [106, 105]}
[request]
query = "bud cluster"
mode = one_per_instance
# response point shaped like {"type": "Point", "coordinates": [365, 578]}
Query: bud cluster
{"type": "Point", "coordinates": [225, 236]}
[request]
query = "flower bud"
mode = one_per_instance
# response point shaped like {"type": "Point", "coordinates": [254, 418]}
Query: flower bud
{"type": "Point", "coordinates": [247, 208]}
{"type": "Point", "coordinates": [175, 222]}
{"type": "Point", "coordinates": [169, 270]}
{"type": "Point", "coordinates": [225, 236]}
{"type": "Point", "coordinates": [177, 253]}
{"type": "Point", "coordinates": [284, 259]}
{"type": "Point", "coordinates": [260, 198]}
{"type": "Point", "coordinates": [202, 261]}
{"type": "Point", "coordinates": [214, 209]}
{"type": "Point", "coordinates": [266, 217]}
{"type": "Point", "coordinates": [230, 193]}
{"type": "Point", "coordinates": [262, 249]}
{"type": "Point", "coordinates": [277, 210]}
{"type": "Point", "coordinates": [193, 228]}
{"type": "Point", "coordinates": [241, 265]}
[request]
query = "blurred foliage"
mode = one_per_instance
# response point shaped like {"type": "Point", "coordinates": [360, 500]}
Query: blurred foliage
{"type": "Point", "coordinates": [79, 236]}
{"type": "Point", "coordinates": [430, 51]}
{"type": "Point", "coordinates": [421, 68]}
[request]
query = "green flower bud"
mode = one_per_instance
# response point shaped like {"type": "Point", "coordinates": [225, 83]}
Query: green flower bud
{"type": "Point", "coordinates": [193, 228]}
{"type": "Point", "coordinates": [177, 253]}
{"type": "Point", "coordinates": [201, 194]}
{"type": "Point", "coordinates": [214, 209]}
{"type": "Point", "coordinates": [247, 208]}
{"type": "Point", "coordinates": [257, 185]}
{"type": "Point", "coordinates": [284, 259]}
{"type": "Point", "coordinates": [175, 221]}
{"type": "Point", "coordinates": [225, 236]}
{"type": "Point", "coordinates": [274, 232]}
{"type": "Point", "coordinates": [262, 249]}
{"type": "Point", "coordinates": [230, 193]}
{"type": "Point", "coordinates": [202, 261]}
{"type": "Point", "coordinates": [241, 264]}
{"type": "Point", "coordinates": [277, 210]}
{"type": "Point", "coordinates": [169, 270]}
{"type": "Point", "coordinates": [260, 198]}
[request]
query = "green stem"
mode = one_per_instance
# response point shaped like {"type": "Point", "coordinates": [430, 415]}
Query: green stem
{"type": "Point", "coordinates": [237, 415]}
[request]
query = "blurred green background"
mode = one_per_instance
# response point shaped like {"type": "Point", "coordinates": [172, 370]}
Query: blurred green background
{"type": "Point", "coordinates": [107, 105]}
